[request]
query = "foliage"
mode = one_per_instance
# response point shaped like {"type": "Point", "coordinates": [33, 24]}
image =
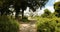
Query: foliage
{"type": "Point", "coordinates": [4, 7]}
{"type": "Point", "coordinates": [57, 5]}
{"type": "Point", "coordinates": [48, 24]}
{"type": "Point", "coordinates": [21, 4]}
{"type": "Point", "coordinates": [25, 19]}
{"type": "Point", "coordinates": [57, 8]}
{"type": "Point", "coordinates": [32, 4]}
{"type": "Point", "coordinates": [8, 25]}
{"type": "Point", "coordinates": [47, 14]}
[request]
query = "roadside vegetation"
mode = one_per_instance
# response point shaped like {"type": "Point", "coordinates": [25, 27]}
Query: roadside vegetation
{"type": "Point", "coordinates": [46, 22]}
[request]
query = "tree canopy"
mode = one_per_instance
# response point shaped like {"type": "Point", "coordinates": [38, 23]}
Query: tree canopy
{"type": "Point", "coordinates": [22, 4]}
{"type": "Point", "coordinates": [47, 13]}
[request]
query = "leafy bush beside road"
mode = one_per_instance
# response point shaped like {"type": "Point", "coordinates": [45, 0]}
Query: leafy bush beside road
{"type": "Point", "coordinates": [8, 25]}
{"type": "Point", "coordinates": [48, 24]}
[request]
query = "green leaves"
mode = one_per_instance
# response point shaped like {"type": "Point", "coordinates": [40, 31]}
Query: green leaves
{"type": "Point", "coordinates": [7, 24]}
{"type": "Point", "coordinates": [48, 24]}
{"type": "Point", "coordinates": [22, 4]}
{"type": "Point", "coordinates": [57, 8]}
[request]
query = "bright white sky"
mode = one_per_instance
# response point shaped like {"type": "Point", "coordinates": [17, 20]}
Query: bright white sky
{"type": "Point", "coordinates": [57, 0]}
{"type": "Point", "coordinates": [49, 6]}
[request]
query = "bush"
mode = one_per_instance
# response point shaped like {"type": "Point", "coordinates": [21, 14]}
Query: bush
{"type": "Point", "coordinates": [48, 25]}
{"type": "Point", "coordinates": [8, 25]}
{"type": "Point", "coordinates": [25, 19]}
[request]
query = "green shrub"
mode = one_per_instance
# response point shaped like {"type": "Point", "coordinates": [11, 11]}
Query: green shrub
{"type": "Point", "coordinates": [8, 25]}
{"type": "Point", "coordinates": [48, 25]}
{"type": "Point", "coordinates": [25, 19]}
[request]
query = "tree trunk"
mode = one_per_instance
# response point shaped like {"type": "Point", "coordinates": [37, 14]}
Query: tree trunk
{"type": "Point", "coordinates": [22, 14]}
{"type": "Point", "coordinates": [16, 15]}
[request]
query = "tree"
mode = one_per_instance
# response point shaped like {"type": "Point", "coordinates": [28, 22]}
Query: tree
{"type": "Point", "coordinates": [23, 4]}
{"type": "Point", "coordinates": [4, 6]}
{"type": "Point", "coordinates": [46, 13]}
{"type": "Point", "coordinates": [32, 4]}
{"type": "Point", "coordinates": [57, 8]}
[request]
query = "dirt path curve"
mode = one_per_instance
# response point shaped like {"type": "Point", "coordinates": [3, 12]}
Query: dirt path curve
{"type": "Point", "coordinates": [28, 27]}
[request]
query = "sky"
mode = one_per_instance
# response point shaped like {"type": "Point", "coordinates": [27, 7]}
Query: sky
{"type": "Point", "coordinates": [50, 3]}
{"type": "Point", "coordinates": [49, 6]}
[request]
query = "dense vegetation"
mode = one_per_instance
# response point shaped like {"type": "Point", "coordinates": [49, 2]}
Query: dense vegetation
{"type": "Point", "coordinates": [8, 25]}
{"type": "Point", "coordinates": [20, 5]}
{"type": "Point", "coordinates": [57, 8]}
{"type": "Point", "coordinates": [49, 22]}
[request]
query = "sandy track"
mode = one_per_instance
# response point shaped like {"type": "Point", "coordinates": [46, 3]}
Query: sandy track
{"type": "Point", "coordinates": [28, 27]}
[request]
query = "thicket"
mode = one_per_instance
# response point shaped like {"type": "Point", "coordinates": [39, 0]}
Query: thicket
{"type": "Point", "coordinates": [48, 24]}
{"type": "Point", "coordinates": [8, 25]}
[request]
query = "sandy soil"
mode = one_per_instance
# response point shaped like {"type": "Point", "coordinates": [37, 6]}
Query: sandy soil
{"type": "Point", "coordinates": [28, 27]}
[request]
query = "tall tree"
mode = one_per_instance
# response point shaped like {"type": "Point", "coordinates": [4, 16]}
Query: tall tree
{"type": "Point", "coordinates": [4, 6]}
{"type": "Point", "coordinates": [23, 4]}
{"type": "Point", "coordinates": [32, 4]}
